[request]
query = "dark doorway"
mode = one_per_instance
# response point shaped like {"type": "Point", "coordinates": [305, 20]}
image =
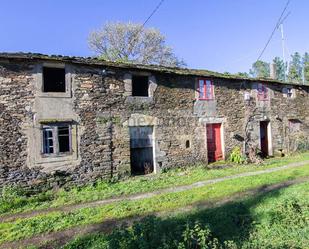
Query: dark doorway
{"type": "Point", "coordinates": [264, 137]}
{"type": "Point", "coordinates": [214, 144]}
{"type": "Point", "coordinates": [141, 140]}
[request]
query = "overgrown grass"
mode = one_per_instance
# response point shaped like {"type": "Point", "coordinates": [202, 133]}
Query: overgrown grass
{"type": "Point", "coordinates": [165, 202]}
{"type": "Point", "coordinates": [279, 219]}
{"type": "Point", "coordinates": [14, 200]}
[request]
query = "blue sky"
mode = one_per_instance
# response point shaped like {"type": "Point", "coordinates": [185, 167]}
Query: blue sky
{"type": "Point", "coordinates": [220, 35]}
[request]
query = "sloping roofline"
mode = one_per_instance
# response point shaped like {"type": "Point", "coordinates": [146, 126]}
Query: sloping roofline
{"type": "Point", "coordinates": [100, 62]}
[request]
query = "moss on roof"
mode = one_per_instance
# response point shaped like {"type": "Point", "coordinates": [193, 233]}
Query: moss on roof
{"type": "Point", "coordinates": [100, 62]}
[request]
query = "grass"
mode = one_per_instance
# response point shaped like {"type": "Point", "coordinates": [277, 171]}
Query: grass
{"type": "Point", "coordinates": [278, 219]}
{"type": "Point", "coordinates": [57, 221]}
{"type": "Point", "coordinates": [19, 202]}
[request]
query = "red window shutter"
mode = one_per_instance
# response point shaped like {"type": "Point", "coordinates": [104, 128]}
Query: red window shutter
{"type": "Point", "coordinates": [201, 88]}
{"type": "Point", "coordinates": [205, 89]}
{"type": "Point", "coordinates": [262, 92]}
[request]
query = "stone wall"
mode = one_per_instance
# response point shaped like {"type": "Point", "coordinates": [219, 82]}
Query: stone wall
{"type": "Point", "coordinates": [16, 99]}
{"type": "Point", "coordinates": [104, 111]}
{"type": "Point", "coordinates": [282, 109]}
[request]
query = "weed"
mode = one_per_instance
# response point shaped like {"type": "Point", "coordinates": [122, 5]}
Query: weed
{"type": "Point", "coordinates": [236, 156]}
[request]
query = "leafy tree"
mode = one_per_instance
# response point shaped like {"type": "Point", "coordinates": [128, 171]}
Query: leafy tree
{"type": "Point", "coordinates": [243, 74]}
{"type": "Point", "coordinates": [280, 68]}
{"type": "Point", "coordinates": [295, 70]}
{"type": "Point", "coordinates": [306, 67]}
{"type": "Point", "coordinates": [298, 68]}
{"type": "Point", "coordinates": [131, 42]}
{"type": "Point", "coordinates": [306, 58]}
{"type": "Point", "coordinates": [260, 69]}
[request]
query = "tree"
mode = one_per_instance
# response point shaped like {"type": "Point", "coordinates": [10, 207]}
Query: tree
{"type": "Point", "coordinates": [280, 68]}
{"type": "Point", "coordinates": [306, 67]}
{"type": "Point", "coordinates": [260, 69]}
{"type": "Point", "coordinates": [298, 68]}
{"type": "Point", "coordinates": [243, 74]}
{"type": "Point", "coordinates": [295, 70]}
{"type": "Point", "coordinates": [131, 42]}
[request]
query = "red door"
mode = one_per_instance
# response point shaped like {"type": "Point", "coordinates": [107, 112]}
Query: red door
{"type": "Point", "coordinates": [214, 146]}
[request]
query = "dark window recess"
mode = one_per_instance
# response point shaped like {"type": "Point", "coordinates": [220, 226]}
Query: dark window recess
{"type": "Point", "coordinates": [188, 144]}
{"type": "Point", "coordinates": [53, 79]}
{"type": "Point", "coordinates": [64, 139]}
{"type": "Point", "coordinates": [140, 86]}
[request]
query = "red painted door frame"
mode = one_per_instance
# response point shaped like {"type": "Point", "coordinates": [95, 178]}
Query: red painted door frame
{"type": "Point", "coordinates": [214, 144]}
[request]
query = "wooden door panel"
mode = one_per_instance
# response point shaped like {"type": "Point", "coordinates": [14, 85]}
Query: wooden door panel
{"type": "Point", "coordinates": [141, 147]}
{"type": "Point", "coordinates": [264, 137]}
{"type": "Point", "coordinates": [218, 150]}
{"type": "Point", "coordinates": [214, 145]}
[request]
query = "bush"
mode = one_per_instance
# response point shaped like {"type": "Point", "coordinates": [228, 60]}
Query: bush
{"type": "Point", "coordinates": [198, 236]}
{"type": "Point", "coordinates": [236, 156]}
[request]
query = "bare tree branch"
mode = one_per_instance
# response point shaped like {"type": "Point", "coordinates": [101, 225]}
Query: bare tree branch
{"type": "Point", "coordinates": [131, 42]}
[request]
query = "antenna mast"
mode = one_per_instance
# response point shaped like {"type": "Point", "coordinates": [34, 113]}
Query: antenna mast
{"type": "Point", "coordinates": [283, 50]}
{"type": "Point", "coordinates": [280, 25]}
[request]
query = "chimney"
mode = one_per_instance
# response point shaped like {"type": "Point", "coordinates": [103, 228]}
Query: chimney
{"type": "Point", "coordinates": [273, 71]}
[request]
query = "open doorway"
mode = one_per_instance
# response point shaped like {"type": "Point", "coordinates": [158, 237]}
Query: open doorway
{"type": "Point", "coordinates": [264, 138]}
{"type": "Point", "coordinates": [141, 148]}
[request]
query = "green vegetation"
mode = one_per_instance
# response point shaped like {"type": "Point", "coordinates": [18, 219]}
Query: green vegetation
{"type": "Point", "coordinates": [279, 219]}
{"type": "Point", "coordinates": [192, 236]}
{"type": "Point", "coordinates": [303, 144]}
{"type": "Point", "coordinates": [295, 71]}
{"type": "Point", "coordinates": [236, 156]}
{"type": "Point", "coordinates": [56, 221]}
{"type": "Point", "coordinates": [17, 200]}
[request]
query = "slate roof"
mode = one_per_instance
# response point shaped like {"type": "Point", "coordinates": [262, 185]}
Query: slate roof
{"type": "Point", "coordinates": [131, 66]}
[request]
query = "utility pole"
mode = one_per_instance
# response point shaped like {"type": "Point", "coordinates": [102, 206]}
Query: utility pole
{"type": "Point", "coordinates": [283, 51]}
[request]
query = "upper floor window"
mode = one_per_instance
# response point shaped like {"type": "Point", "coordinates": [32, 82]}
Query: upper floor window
{"type": "Point", "coordinates": [262, 92]}
{"type": "Point", "coordinates": [140, 86]}
{"type": "Point", "coordinates": [288, 92]}
{"type": "Point", "coordinates": [205, 89]}
{"type": "Point", "coordinates": [56, 139]}
{"type": "Point", "coordinates": [53, 79]}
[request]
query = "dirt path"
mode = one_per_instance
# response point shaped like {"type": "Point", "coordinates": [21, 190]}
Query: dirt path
{"type": "Point", "coordinates": [69, 208]}
{"type": "Point", "coordinates": [56, 239]}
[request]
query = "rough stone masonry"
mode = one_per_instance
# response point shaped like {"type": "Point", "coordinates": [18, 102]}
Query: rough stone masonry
{"type": "Point", "coordinates": [75, 120]}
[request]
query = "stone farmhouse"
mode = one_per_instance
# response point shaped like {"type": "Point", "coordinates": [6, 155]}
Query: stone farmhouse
{"type": "Point", "coordinates": [71, 119]}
